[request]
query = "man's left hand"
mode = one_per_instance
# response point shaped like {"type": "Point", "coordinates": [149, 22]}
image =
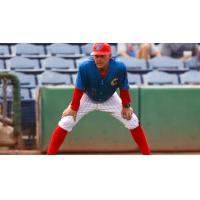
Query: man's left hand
{"type": "Point", "coordinates": [127, 113]}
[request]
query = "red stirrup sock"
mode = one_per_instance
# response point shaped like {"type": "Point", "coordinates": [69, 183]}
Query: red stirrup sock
{"type": "Point", "coordinates": [56, 140]}
{"type": "Point", "coordinates": [139, 137]}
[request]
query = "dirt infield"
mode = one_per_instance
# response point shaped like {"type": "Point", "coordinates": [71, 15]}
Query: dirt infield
{"type": "Point", "coordinates": [20, 152]}
{"type": "Point", "coordinates": [37, 152]}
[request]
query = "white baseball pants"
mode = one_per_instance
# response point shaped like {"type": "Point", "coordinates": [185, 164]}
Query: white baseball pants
{"type": "Point", "coordinates": [112, 106]}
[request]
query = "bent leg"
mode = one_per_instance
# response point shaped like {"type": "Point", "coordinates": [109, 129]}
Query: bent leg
{"type": "Point", "coordinates": [67, 123]}
{"type": "Point", "coordinates": [114, 106]}
{"type": "Point", "coordinates": [56, 141]}
{"type": "Point", "coordinates": [86, 106]}
{"type": "Point", "coordinates": [139, 136]}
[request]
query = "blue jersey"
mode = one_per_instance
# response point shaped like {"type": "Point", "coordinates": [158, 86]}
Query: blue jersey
{"type": "Point", "coordinates": [97, 88]}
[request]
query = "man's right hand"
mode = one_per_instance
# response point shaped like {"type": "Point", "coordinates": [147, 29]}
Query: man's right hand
{"type": "Point", "coordinates": [69, 112]}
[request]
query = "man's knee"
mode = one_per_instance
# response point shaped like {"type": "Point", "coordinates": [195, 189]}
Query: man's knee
{"type": "Point", "coordinates": [67, 123]}
{"type": "Point", "coordinates": [133, 123]}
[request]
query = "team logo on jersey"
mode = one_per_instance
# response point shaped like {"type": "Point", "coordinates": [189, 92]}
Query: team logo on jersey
{"type": "Point", "coordinates": [114, 82]}
{"type": "Point", "coordinates": [98, 48]}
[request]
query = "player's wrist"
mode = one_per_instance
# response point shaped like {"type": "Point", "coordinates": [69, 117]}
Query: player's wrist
{"type": "Point", "coordinates": [128, 105]}
{"type": "Point", "coordinates": [74, 108]}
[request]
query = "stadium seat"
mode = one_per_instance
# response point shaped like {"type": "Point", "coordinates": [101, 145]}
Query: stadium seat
{"type": "Point", "coordinates": [74, 76]}
{"type": "Point", "coordinates": [53, 78]}
{"type": "Point", "coordinates": [4, 50]}
{"type": "Point", "coordinates": [160, 78]}
{"type": "Point", "coordinates": [193, 63]}
{"type": "Point", "coordinates": [114, 51]}
{"type": "Point", "coordinates": [190, 77]}
{"type": "Point", "coordinates": [2, 65]}
{"type": "Point", "coordinates": [26, 80]}
{"type": "Point", "coordinates": [87, 48]}
{"type": "Point", "coordinates": [134, 79]}
{"type": "Point", "coordinates": [79, 61]}
{"type": "Point", "coordinates": [62, 49]}
{"type": "Point", "coordinates": [165, 63]}
{"type": "Point", "coordinates": [24, 92]}
{"type": "Point", "coordinates": [28, 49]}
{"type": "Point", "coordinates": [133, 62]}
{"type": "Point", "coordinates": [57, 63]}
{"type": "Point", "coordinates": [22, 63]}
{"type": "Point", "coordinates": [34, 93]}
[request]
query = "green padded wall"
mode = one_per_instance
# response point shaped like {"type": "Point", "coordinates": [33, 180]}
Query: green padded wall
{"type": "Point", "coordinates": [97, 132]}
{"type": "Point", "coordinates": [171, 117]}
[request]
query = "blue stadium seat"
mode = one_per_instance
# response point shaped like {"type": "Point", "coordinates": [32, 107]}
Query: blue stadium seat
{"type": "Point", "coordinates": [87, 49]}
{"type": "Point", "coordinates": [190, 77]}
{"type": "Point", "coordinates": [22, 63]}
{"type": "Point", "coordinates": [80, 60]}
{"type": "Point", "coordinates": [193, 63]}
{"type": "Point", "coordinates": [24, 92]}
{"type": "Point", "coordinates": [4, 50]}
{"type": "Point", "coordinates": [114, 51]}
{"type": "Point", "coordinates": [74, 76]}
{"type": "Point", "coordinates": [29, 49]}
{"type": "Point", "coordinates": [62, 49]}
{"type": "Point", "coordinates": [34, 93]}
{"type": "Point", "coordinates": [53, 78]}
{"type": "Point", "coordinates": [134, 79]}
{"type": "Point", "coordinates": [160, 78]}
{"type": "Point", "coordinates": [165, 63]}
{"type": "Point", "coordinates": [26, 80]}
{"type": "Point", "coordinates": [57, 63]}
{"type": "Point", "coordinates": [2, 65]}
{"type": "Point", "coordinates": [133, 62]}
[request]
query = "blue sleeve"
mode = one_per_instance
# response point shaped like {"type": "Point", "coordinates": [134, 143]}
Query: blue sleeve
{"type": "Point", "coordinates": [81, 79]}
{"type": "Point", "coordinates": [124, 80]}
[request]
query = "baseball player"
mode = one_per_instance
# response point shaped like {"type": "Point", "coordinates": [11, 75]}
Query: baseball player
{"type": "Point", "coordinates": [97, 81]}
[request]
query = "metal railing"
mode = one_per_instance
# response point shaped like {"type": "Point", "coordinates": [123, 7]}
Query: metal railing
{"type": "Point", "coordinates": [16, 118]}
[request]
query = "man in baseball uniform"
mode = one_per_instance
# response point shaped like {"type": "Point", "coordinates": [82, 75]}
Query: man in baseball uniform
{"type": "Point", "coordinates": [97, 81]}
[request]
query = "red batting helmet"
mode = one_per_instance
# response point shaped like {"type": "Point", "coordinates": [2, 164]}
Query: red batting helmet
{"type": "Point", "coordinates": [101, 49]}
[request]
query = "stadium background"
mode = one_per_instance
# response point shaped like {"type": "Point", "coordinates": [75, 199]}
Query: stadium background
{"type": "Point", "coordinates": [169, 110]}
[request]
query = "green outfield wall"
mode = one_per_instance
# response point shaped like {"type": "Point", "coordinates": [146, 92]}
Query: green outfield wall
{"type": "Point", "coordinates": [169, 115]}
